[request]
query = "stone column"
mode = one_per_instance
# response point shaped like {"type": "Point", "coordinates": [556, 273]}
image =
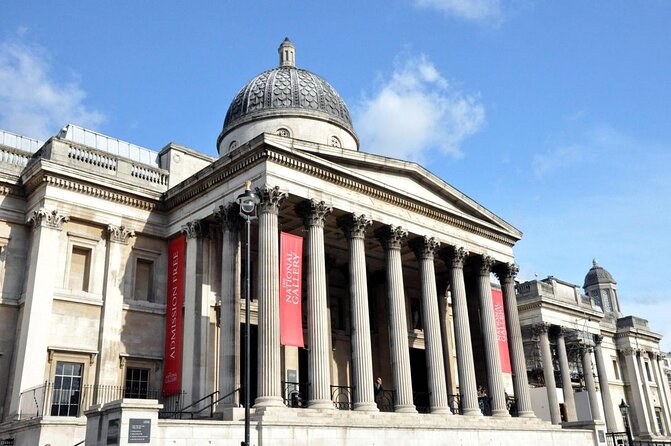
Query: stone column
{"type": "Point", "coordinates": [588, 374]}
{"type": "Point", "coordinates": [548, 372]}
{"type": "Point", "coordinates": [425, 248]}
{"type": "Point", "coordinates": [609, 409]}
{"type": "Point", "coordinates": [111, 315]}
{"type": "Point", "coordinates": [569, 398]}
{"type": "Point", "coordinates": [229, 325]}
{"type": "Point", "coordinates": [314, 215]}
{"type": "Point", "coordinates": [638, 406]}
{"type": "Point", "coordinates": [391, 238]}
{"type": "Point", "coordinates": [196, 311]}
{"type": "Point", "coordinates": [36, 313]}
{"type": "Point", "coordinates": [663, 389]}
{"type": "Point", "coordinates": [490, 339]}
{"type": "Point", "coordinates": [462, 332]}
{"type": "Point", "coordinates": [269, 375]}
{"type": "Point", "coordinates": [354, 227]}
{"type": "Point", "coordinates": [506, 274]}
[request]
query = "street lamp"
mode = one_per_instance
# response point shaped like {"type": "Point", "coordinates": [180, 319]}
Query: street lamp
{"type": "Point", "coordinates": [247, 202]}
{"type": "Point", "coordinates": [624, 410]}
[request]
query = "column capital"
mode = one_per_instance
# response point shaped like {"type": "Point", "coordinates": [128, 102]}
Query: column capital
{"type": "Point", "coordinates": [543, 327]}
{"type": "Point", "coordinates": [598, 339]}
{"type": "Point", "coordinates": [485, 265]}
{"type": "Point", "coordinates": [629, 351]}
{"type": "Point", "coordinates": [314, 212]}
{"type": "Point", "coordinates": [506, 271]}
{"type": "Point", "coordinates": [454, 257]}
{"type": "Point", "coordinates": [195, 229]}
{"type": "Point", "coordinates": [391, 237]}
{"type": "Point", "coordinates": [229, 217]}
{"type": "Point", "coordinates": [424, 247]}
{"type": "Point", "coordinates": [119, 234]}
{"type": "Point", "coordinates": [271, 199]}
{"type": "Point", "coordinates": [562, 331]}
{"type": "Point", "coordinates": [353, 225]}
{"type": "Point", "coordinates": [49, 219]}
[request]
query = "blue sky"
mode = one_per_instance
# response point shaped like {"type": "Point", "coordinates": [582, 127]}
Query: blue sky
{"type": "Point", "coordinates": [554, 115]}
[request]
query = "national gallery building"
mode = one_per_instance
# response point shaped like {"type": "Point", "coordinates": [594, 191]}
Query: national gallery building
{"type": "Point", "coordinates": [124, 279]}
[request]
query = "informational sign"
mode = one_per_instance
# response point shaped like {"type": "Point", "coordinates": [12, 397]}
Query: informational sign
{"type": "Point", "coordinates": [172, 360]}
{"type": "Point", "coordinates": [139, 430]}
{"type": "Point", "coordinates": [291, 266]}
{"type": "Point", "coordinates": [501, 331]}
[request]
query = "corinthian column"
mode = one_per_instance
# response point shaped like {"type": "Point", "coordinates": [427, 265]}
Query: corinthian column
{"type": "Point", "coordinates": [506, 274]}
{"type": "Point", "coordinates": [588, 373]}
{"type": "Point", "coordinates": [425, 248]}
{"type": "Point", "coordinates": [462, 332]}
{"type": "Point", "coordinates": [611, 423]}
{"type": "Point", "coordinates": [493, 357]}
{"type": "Point", "coordinates": [314, 214]}
{"type": "Point", "coordinates": [229, 331]}
{"type": "Point", "coordinates": [354, 227]}
{"type": "Point", "coordinates": [269, 374]}
{"type": "Point", "coordinates": [569, 399]}
{"type": "Point", "coordinates": [391, 238]}
{"type": "Point", "coordinates": [549, 372]}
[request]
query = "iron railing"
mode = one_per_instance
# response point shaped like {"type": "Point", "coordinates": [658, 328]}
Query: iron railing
{"type": "Point", "coordinates": [342, 397]}
{"type": "Point", "coordinates": [485, 404]}
{"type": "Point", "coordinates": [385, 400]}
{"type": "Point", "coordinates": [422, 401]}
{"type": "Point", "coordinates": [295, 394]}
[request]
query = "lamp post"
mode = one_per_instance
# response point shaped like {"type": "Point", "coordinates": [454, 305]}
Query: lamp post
{"type": "Point", "coordinates": [247, 202]}
{"type": "Point", "coordinates": [624, 410]}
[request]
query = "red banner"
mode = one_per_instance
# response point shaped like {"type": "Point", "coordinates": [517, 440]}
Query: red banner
{"type": "Point", "coordinates": [172, 360]}
{"type": "Point", "coordinates": [501, 332]}
{"type": "Point", "coordinates": [291, 265]}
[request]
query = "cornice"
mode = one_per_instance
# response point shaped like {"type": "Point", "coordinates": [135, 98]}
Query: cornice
{"type": "Point", "coordinates": [11, 189]}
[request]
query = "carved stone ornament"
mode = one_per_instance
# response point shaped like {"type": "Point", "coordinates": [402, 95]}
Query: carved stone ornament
{"type": "Point", "coordinates": [229, 216]}
{"type": "Point", "coordinates": [543, 327]}
{"type": "Point", "coordinates": [271, 199]}
{"type": "Point", "coordinates": [50, 219]}
{"type": "Point", "coordinates": [507, 272]}
{"type": "Point", "coordinates": [424, 247]}
{"type": "Point", "coordinates": [119, 234]}
{"type": "Point", "coordinates": [454, 257]}
{"type": "Point", "coordinates": [391, 237]}
{"type": "Point", "coordinates": [194, 229]}
{"type": "Point", "coordinates": [354, 226]}
{"type": "Point", "coordinates": [628, 351]}
{"type": "Point", "coordinates": [485, 265]}
{"type": "Point", "coordinates": [314, 212]}
{"type": "Point", "coordinates": [598, 339]}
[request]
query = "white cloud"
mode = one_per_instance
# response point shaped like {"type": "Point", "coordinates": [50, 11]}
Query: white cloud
{"type": "Point", "coordinates": [416, 111]}
{"type": "Point", "coordinates": [34, 104]}
{"type": "Point", "coordinates": [473, 10]}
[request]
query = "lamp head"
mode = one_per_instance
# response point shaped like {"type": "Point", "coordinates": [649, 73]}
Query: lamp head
{"type": "Point", "coordinates": [247, 201]}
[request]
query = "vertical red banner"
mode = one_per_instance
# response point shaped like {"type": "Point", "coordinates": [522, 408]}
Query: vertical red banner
{"type": "Point", "coordinates": [501, 331]}
{"type": "Point", "coordinates": [291, 267]}
{"type": "Point", "coordinates": [172, 360]}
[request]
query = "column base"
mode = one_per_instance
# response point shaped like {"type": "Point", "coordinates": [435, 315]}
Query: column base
{"type": "Point", "coordinates": [501, 413]}
{"type": "Point", "coordinates": [472, 412]}
{"type": "Point", "coordinates": [268, 401]}
{"type": "Point", "coordinates": [441, 411]}
{"type": "Point", "coordinates": [405, 409]}
{"type": "Point", "coordinates": [320, 404]}
{"type": "Point", "coordinates": [366, 407]}
{"type": "Point", "coordinates": [527, 414]}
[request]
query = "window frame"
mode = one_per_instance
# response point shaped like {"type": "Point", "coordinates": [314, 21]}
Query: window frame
{"type": "Point", "coordinates": [88, 243]}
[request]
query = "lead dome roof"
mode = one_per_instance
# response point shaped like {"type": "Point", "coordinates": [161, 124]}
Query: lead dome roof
{"type": "Point", "coordinates": [597, 275]}
{"type": "Point", "coordinates": [287, 91]}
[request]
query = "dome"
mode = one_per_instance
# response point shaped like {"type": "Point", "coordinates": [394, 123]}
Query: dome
{"type": "Point", "coordinates": [597, 275]}
{"type": "Point", "coordinates": [289, 92]}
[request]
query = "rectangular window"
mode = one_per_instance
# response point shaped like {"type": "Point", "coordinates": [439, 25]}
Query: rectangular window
{"type": "Point", "coordinates": [647, 371]}
{"type": "Point", "coordinates": [616, 368]}
{"type": "Point", "coordinates": [137, 383]}
{"type": "Point", "coordinates": [67, 388]}
{"type": "Point", "coordinates": [660, 423]}
{"type": "Point", "coordinates": [144, 279]}
{"type": "Point", "coordinates": [80, 264]}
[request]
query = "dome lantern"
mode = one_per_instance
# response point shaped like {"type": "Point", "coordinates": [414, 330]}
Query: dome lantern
{"type": "Point", "coordinates": [287, 53]}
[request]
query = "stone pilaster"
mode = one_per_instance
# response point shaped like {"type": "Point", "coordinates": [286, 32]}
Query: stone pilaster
{"type": "Point", "coordinates": [355, 227]}
{"type": "Point", "coordinates": [569, 398]}
{"type": "Point", "coordinates": [425, 248]}
{"type": "Point", "coordinates": [647, 394]}
{"type": "Point", "coordinates": [391, 238]}
{"type": "Point", "coordinates": [229, 326]}
{"type": "Point", "coordinates": [462, 332]}
{"type": "Point", "coordinates": [314, 214]}
{"type": "Point", "coordinates": [39, 289]}
{"type": "Point", "coordinates": [269, 375]}
{"type": "Point", "coordinates": [548, 372]}
{"type": "Point", "coordinates": [663, 388]}
{"type": "Point", "coordinates": [588, 374]}
{"type": "Point", "coordinates": [506, 274]}
{"type": "Point", "coordinates": [489, 336]}
{"type": "Point", "coordinates": [638, 411]}
{"type": "Point", "coordinates": [604, 387]}
{"type": "Point", "coordinates": [117, 256]}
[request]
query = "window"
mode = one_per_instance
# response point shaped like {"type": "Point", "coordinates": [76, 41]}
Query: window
{"type": "Point", "coordinates": [137, 383]}
{"type": "Point", "coordinates": [283, 132]}
{"type": "Point", "coordinates": [616, 368]}
{"type": "Point", "coordinates": [67, 388]}
{"type": "Point", "coordinates": [647, 371]}
{"type": "Point", "coordinates": [233, 145]}
{"type": "Point", "coordinates": [144, 279]}
{"type": "Point", "coordinates": [660, 423]}
{"type": "Point", "coordinates": [335, 142]}
{"type": "Point", "coordinates": [80, 265]}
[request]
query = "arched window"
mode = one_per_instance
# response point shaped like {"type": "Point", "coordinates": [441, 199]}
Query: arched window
{"type": "Point", "coordinates": [282, 131]}
{"type": "Point", "coordinates": [335, 142]}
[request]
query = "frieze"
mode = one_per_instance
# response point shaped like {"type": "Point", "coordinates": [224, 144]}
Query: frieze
{"type": "Point", "coordinates": [119, 234]}
{"type": "Point", "coordinates": [424, 247]}
{"type": "Point", "coordinates": [391, 237]}
{"type": "Point", "coordinates": [314, 212]}
{"type": "Point", "coordinates": [50, 219]}
{"type": "Point", "coordinates": [354, 226]}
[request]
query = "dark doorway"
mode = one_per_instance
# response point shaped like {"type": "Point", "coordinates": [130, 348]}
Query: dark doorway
{"type": "Point", "coordinates": [420, 387]}
{"type": "Point", "coordinates": [253, 363]}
